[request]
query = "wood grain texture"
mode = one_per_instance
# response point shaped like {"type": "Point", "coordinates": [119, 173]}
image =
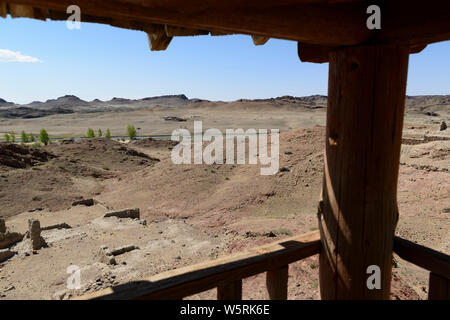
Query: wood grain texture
{"type": "Point", "coordinates": [323, 22]}
{"type": "Point", "coordinates": [429, 259]}
{"type": "Point", "coordinates": [366, 98]}
{"type": "Point", "coordinates": [179, 283]}
{"type": "Point", "coordinates": [230, 291]}
{"type": "Point", "coordinates": [439, 287]}
{"type": "Point", "coordinates": [277, 283]}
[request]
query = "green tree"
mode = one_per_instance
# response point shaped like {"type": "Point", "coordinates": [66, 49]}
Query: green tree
{"type": "Point", "coordinates": [31, 137]}
{"type": "Point", "coordinates": [131, 132]}
{"type": "Point", "coordinates": [24, 136]}
{"type": "Point", "coordinates": [100, 133]}
{"type": "Point", "coordinates": [13, 136]}
{"type": "Point", "coordinates": [7, 137]}
{"type": "Point", "coordinates": [43, 136]}
{"type": "Point", "coordinates": [108, 134]}
{"type": "Point", "coordinates": [90, 133]}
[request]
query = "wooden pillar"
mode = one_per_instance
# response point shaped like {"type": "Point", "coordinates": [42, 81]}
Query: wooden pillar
{"type": "Point", "coordinates": [277, 283]}
{"type": "Point", "coordinates": [439, 287]}
{"type": "Point", "coordinates": [358, 213]}
{"type": "Point", "coordinates": [230, 291]}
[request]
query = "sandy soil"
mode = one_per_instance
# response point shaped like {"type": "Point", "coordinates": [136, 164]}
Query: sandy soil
{"type": "Point", "coordinates": [198, 212]}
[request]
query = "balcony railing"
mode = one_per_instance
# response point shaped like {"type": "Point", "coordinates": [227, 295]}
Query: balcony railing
{"type": "Point", "coordinates": [226, 273]}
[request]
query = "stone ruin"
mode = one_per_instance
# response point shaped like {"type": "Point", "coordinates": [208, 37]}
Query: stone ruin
{"type": "Point", "coordinates": [34, 232]}
{"type": "Point", "coordinates": [108, 256]}
{"type": "Point", "coordinates": [125, 213]}
{"type": "Point", "coordinates": [7, 239]}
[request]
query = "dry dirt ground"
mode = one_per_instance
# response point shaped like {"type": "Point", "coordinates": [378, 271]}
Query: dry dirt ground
{"type": "Point", "coordinates": [196, 212]}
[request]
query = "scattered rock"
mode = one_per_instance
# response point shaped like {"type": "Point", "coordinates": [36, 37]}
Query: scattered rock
{"type": "Point", "coordinates": [106, 256]}
{"type": "Point", "coordinates": [9, 238]}
{"type": "Point", "coordinates": [84, 202]}
{"type": "Point", "coordinates": [124, 249]}
{"type": "Point", "coordinates": [17, 156]}
{"type": "Point", "coordinates": [59, 295]}
{"type": "Point", "coordinates": [57, 226]}
{"type": "Point", "coordinates": [126, 213]}
{"type": "Point", "coordinates": [5, 254]}
{"type": "Point", "coordinates": [174, 118]}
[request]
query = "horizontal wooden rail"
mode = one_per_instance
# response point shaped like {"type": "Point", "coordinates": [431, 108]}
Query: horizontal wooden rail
{"type": "Point", "coordinates": [224, 273]}
{"type": "Point", "coordinates": [429, 259]}
{"type": "Point", "coordinates": [436, 262]}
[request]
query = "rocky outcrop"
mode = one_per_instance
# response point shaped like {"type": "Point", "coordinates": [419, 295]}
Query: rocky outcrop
{"type": "Point", "coordinates": [83, 202]}
{"type": "Point", "coordinates": [57, 226]}
{"type": "Point", "coordinates": [126, 213]}
{"type": "Point", "coordinates": [34, 231]}
{"type": "Point", "coordinates": [17, 156]}
{"type": "Point", "coordinates": [5, 254]}
{"type": "Point", "coordinates": [108, 256]}
{"type": "Point", "coordinates": [9, 238]}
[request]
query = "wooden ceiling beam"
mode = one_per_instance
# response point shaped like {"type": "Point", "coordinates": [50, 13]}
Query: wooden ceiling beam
{"type": "Point", "coordinates": [321, 22]}
{"type": "Point", "coordinates": [321, 54]}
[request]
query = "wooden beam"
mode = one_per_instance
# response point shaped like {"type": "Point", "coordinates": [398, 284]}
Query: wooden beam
{"type": "Point", "coordinates": [259, 40]}
{"type": "Point", "coordinates": [158, 41]}
{"type": "Point", "coordinates": [230, 291]}
{"type": "Point", "coordinates": [439, 287]}
{"type": "Point", "coordinates": [277, 283]}
{"type": "Point", "coordinates": [175, 284]}
{"type": "Point", "coordinates": [366, 97]}
{"type": "Point", "coordinates": [429, 259]}
{"type": "Point", "coordinates": [321, 54]}
{"type": "Point", "coordinates": [337, 23]}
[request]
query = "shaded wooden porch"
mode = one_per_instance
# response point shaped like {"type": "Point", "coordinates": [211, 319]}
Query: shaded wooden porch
{"type": "Point", "coordinates": [357, 213]}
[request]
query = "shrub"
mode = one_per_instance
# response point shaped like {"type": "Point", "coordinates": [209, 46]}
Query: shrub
{"type": "Point", "coordinates": [90, 133]}
{"type": "Point", "coordinates": [24, 136]}
{"type": "Point", "coordinates": [31, 138]}
{"type": "Point", "coordinates": [7, 137]}
{"type": "Point", "coordinates": [100, 134]}
{"type": "Point", "coordinates": [108, 134]}
{"type": "Point", "coordinates": [131, 132]}
{"type": "Point", "coordinates": [43, 136]}
{"type": "Point", "coordinates": [443, 126]}
{"type": "Point", "coordinates": [12, 136]}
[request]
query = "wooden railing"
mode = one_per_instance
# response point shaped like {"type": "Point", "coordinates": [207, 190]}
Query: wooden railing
{"type": "Point", "coordinates": [226, 273]}
{"type": "Point", "coordinates": [436, 262]}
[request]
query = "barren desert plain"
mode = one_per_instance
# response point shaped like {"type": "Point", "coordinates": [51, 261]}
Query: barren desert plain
{"type": "Point", "coordinates": [191, 212]}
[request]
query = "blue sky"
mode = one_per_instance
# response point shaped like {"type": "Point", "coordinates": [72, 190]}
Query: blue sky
{"type": "Point", "coordinates": [100, 61]}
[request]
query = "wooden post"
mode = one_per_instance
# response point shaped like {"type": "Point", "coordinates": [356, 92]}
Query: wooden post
{"type": "Point", "coordinates": [230, 291]}
{"type": "Point", "coordinates": [358, 214]}
{"type": "Point", "coordinates": [277, 281]}
{"type": "Point", "coordinates": [439, 287]}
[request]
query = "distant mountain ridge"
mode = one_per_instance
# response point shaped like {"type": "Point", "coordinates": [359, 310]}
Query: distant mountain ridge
{"type": "Point", "coordinates": [72, 104]}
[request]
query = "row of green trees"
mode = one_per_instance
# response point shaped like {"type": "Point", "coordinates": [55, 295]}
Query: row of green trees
{"type": "Point", "coordinates": [131, 133]}
{"type": "Point", "coordinates": [91, 133]}
{"type": "Point", "coordinates": [44, 138]}
{"type": "Point", "coordinates": [25, 137]}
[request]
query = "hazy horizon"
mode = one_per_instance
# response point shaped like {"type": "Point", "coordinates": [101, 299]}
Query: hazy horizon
{"type": "Point", "coordinates": [45, 60]}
